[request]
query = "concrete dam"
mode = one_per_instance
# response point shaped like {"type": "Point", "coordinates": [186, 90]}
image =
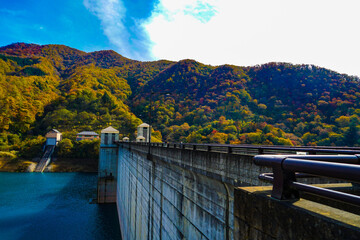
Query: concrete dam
{"type": "Point", "coordinates": [189, 191]}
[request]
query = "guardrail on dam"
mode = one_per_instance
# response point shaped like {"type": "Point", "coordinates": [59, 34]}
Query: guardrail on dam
{"type": "Point", "coordinates": [193, 191]}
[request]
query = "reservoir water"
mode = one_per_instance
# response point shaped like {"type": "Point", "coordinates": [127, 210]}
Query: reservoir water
{"type": "Point", "coordinates": [54, 206]}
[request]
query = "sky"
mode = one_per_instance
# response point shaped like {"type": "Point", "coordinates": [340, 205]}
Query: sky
{"type": "Point", "coordinates": [325, 33]}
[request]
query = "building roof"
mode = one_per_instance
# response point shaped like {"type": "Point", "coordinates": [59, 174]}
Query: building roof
{"type": "Point", "coordinates": [88, 133]}
{"type": "Point", "coordinates": [140, 137]}
{"type": "Point", "coordinates": [125, 138]}
{"type": "Point", "coordinates": [54, 130]}
{"type": "Point", "coordinates": [144, 125]}
{"type": "Point", "coordinates": [109, 130]}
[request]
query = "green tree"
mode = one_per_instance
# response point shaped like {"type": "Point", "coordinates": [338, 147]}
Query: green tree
{"type": "Point", "coordinates": [65, 148]}
{"type": "Point", "coordinates": [32, 147]}
{"type": "Point", "coordinates": [87, 149]}
{"type": "Point", "coordinates": [351, 135]}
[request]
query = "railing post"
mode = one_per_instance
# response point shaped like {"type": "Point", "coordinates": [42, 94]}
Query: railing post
{"type": "Point", "coordinates": [281, 185]}
{"type": "Point", "coordinates": [230, 150]}
{"type": "Point", "coordinates": [209, 148]}
{"type": "Point", "coordinates": [282, 178]}
{"type": "Point", "coordinates": [194, 147]}
{"type": "Point", "coordinates": [261, 150]}
{"type": "Point", "coordinates": [312, 152]}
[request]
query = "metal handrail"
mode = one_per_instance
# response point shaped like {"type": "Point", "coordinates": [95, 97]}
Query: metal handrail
{"type": "Point", "coordinates": [251, 149]}
{"type": "Point", "coordinates": [286, 168]}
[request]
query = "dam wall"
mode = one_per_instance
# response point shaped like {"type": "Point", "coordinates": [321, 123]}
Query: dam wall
{"type": "Point", "coordinates": [165, 198]}
{"type": "Point", "coordinates": [187, 192]}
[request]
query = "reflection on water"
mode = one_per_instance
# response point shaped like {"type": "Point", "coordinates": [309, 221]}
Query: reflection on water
{"type": "Point", "coordinates": [54, 206]}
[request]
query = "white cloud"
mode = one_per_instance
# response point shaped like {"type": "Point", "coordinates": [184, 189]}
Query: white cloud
{"type": "Point", "coordinates": [128, 40]}
{"type": "Point", "coordinates": [112, 14]}
{"type": "Point", "coordinates": [322, 32]}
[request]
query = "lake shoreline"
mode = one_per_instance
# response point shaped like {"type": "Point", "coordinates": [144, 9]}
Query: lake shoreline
{"type": "Point", "coordinates": [56, 165]}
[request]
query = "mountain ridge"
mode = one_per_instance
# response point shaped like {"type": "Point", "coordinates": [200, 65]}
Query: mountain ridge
{"type": "Point", "coordinates": [55, 86]}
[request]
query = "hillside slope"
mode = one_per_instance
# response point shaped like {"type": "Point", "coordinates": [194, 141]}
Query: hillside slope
{"type": "Point", "coordinates": [55, 86]}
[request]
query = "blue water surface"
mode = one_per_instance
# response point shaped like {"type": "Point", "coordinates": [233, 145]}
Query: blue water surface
{"type": "Point", "coordinates": [54, 206]}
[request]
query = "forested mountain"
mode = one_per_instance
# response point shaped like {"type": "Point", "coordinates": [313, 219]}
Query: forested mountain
{"type": "Point", "coordinates": [54, 86]}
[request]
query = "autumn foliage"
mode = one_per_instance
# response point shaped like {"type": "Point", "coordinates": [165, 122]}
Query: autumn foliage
{"type": "Point", "coordinates": [54, 86]}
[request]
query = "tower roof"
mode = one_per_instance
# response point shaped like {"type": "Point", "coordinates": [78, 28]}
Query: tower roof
{"type": "Point", "coordinates": [144, 125]}
{"type": "Point", "coordinates": [109, 130]}
{"type": "Point", "coordinates": [54, 130]}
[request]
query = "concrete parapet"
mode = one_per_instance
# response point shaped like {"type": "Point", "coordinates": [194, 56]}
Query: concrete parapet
{"type": "Point", "coordinates": [234, 169]}
{"type": "Point", "coordinates": [258, 216]}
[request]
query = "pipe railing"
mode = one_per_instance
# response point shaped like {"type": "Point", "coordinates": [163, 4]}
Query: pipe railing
{"type": "Point", "coordinates": [286, 169]}
{"type": "Point", "coordinates": [287, 166]}
{"type": "Point", "coordinates": [251, 150]}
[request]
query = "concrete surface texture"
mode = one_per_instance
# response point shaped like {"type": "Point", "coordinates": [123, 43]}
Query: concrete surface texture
{"type": "Point", "coordinates": [176, 193]}
{"type": "Point", "coordinates": [158, 200]}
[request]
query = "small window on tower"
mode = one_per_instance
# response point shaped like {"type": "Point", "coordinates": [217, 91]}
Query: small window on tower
{"type": "Point", "coordinates": [106, 138]}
